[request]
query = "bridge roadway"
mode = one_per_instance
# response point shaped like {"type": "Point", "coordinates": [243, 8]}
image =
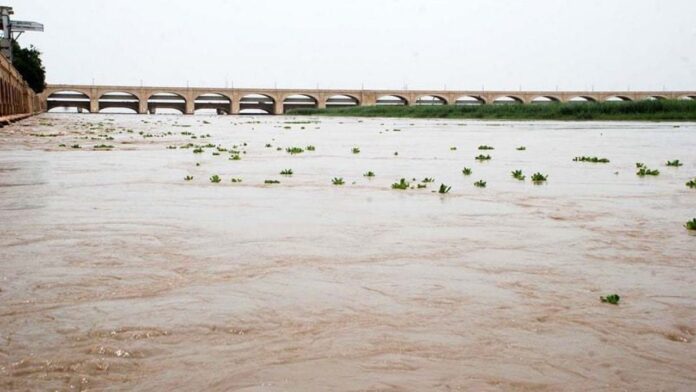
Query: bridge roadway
{"type": "Point", "coordinates": [144, 100]}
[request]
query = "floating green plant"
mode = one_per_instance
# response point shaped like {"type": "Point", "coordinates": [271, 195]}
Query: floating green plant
{"type": "Point", "coordinates": [268, 145]}
{"type": "Point", "coordinates": [369, 174]}
{"type": "Point", "coordinates": [271, 182]}
{"type": "Point", "coordinates": [421, 186]}
{"type": "Point", "coordinates": [396, 153]}
{"type": "Point", "coordinates": [402, 184]}
{"type": "Point", "coordinates": [611, 299]}
{"type": "Point", "coordinates": [356, 150]}
{"type": "Point", "coordinates": [61, 145]}
{"type": "Point", "coordinates": [215, 179]}
{"type": "Point", "coordinates": [590, 159]}
{"type": "Point", "coordinates": [235, 180]}
{"type": "Point", "coordinates": [644, 171]}
{"type": "Point", "coordinates": [197, 150]}
{"type": "Point", "coordinates": [518, 175]}
{"type": "Point", "coordinates": [188, 178]}
{"type": "Point", "coordinates": [444, 188]}
{"type": "Point", "coordinates": [75, 146]}
{"type": "Point", "coordinates": [639, 165]}
{"type": "Point", "coordinates": [286, 172]}
{"type": "Point", "coordinates": [482, 157]}
{"type": "Point", "coordinates": [215, 153]}
{"type": "Point", "coordinates": [428, 179]}
{"type": "Point", "coordinates": [103, 147]}
{"type": "Point", "coordinates": [539, 178]}
{"type": "Point", "coordinates": [294, 150]}
{"type": "Point", "coordinates": [171, 147]}
{"type": "Point", "coordinates": [674, 163]}
{"type": "Point", "coordinates": [691, 225]}
{"type": "Point", "coordinates": [310, 148]}
{"type": "Point", "coordinates": [691, 183]}
{"type": "Point", "coordinates": [480, 184]}
{"type": "Point", "coordinates": [453, 148]}
{"type": "Point", "coordinates": [521, 148]}
{"type": "Point", "coordinates": [337, 181]}
{"type": "Point", "coordinates": [235, 157]}
{"type": "Point", "coordinates": [485, 147]}
{"type": "Point", "coordinates": [466, 171]}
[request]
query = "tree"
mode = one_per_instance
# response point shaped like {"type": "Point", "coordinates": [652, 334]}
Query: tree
{"type": "Point", "coordinates": [28, 63]}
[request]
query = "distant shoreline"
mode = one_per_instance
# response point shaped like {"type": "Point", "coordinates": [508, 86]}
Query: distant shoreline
{"type": "Point", "coordinates": [659, 110]}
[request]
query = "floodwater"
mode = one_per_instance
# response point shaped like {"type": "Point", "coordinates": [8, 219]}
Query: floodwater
{"type": "Point", "coordinates": [117, 274]}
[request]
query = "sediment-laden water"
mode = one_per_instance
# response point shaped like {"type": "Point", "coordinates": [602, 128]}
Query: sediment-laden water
{"type": "Point", "coordinates": [118, 274]}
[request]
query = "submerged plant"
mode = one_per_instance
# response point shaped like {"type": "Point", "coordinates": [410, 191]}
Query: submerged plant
{"type": "Point", "coordinates": [485, 147]}
{"type": "Point", "coordinates": [402, 184]}
{"type": "Point", "coordinates": [674, 163]}
{"type": "Point", "coordinates": [337, 181]}
{"type": "Point", "coordinates": [644, 171]}
{"type": "Point", "coordinates": [369, 174]}
{"type": "Point", "coordinates": [590, 159]}
{"type": "Point", "coordinates": [480, 184]}
{"type": "Point", "coordinates": [215, 179]}
{"type": "Point", "coordinates": [611, 299]}
{"type": "Point", "coordinates": [356, 150]}
{"type": "Point", "coordinates": [466, 171]}
{"type": "Point", "coordinates": [294, 150]}
{"type": "Point", "coordinates": [482, 157]}
{"type": "Point", "coordinates": [444, 188]}
{"type": "Point", "coordinates": [518, 175]}
{"type": "Point", "coordinates": [691, 225]}
{"type": "Point", "coordinates": [188, 178]}
{"type": "Point", "coordinates": [521, 148]}
{"type": "Point", "coordinates": [286, 172]}
{"type": "Point", "coordinates": [539, 178]}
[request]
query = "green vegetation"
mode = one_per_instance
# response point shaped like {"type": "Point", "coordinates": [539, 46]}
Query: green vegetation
{"type": "Point", "coordinates": [356, 150]}
{"type": "Point", "coordinates": [639, 165]}
{"type": "Point", "coordinates": [485, 147]}
{"type": "Point", "coordinates": [480, 184]}
{"type": "Point", "coordinates": [428, 179]}
{"type": "Point", "coordinates": [268, 145]}
{"type": "Point", "coordinates": [444, 188]}
{"type": "Point", "coordinates": [294, 150]}
{"type": "Point", "coordinates": [103, 147]}
{"type": "Point", "coordinates": [691, 225]}
{"type": "Point", "coordinates": [402, 184]}
{"type": "Point", "coordinates": [691, 183]}
{"type": "Point", "coordinates": [215, 179]}
{"type": "Point", "coordinates": [538, 178]}
{"type": "Point", "coordinates": [197, 150]}
{"type": "Point", "coordinates": [310, 148]}
{"type": "Point", "coordinates": [188, 178]}
{"type": "Point", "coordinates": [521, 148]}
{"type": "Point", "coordinates": [517, 174]}
{"type": "Point", "coordinates": [235, 157]}
{"type": "Point", "coordinates": [644, 171]}
{"type": "Point", "coordinates": [421, 186]}
{"type": "Point", "coordinates": [337, 181]}
{"type": "Point", "coordinates": [466, 171]}
{"type": "Point", "coordinates": [369, 174]}
{"type": "Point", "coordinates": [28, 63]}
{"type": "Point", "coordinates": [235, 180]}
{"type": "Point", "coordinates": [590, 159]}
{"type": "Point", "coordinates": [396, 153]}
{"type": "Point", "coordinates": [674, 163]}
{"type": "Point", "coordinates": [75, 146]}
{"type": "Point", "coordinates": [453, 148]}
{"type": "Point", "coordinates": [611, 299]}
{"type": "Point", "coordinates": [286, 172]}
{"type": "Point", "coordinates": [271, 182]}
{"type": "Point", "coordinates": [482, 157]}
{"type": "Point", "coordinates": [656, 110]}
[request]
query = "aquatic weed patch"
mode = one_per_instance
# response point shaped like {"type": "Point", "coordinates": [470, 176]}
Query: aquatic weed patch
{"type": "Point", "coordinates": [482, 157]}
{"type": "Point", "coordinates": [402, 184]}
{"type": "Point", "coordinates": [539, 178]}
{"type": "Point", "coordinates": [337, 181]}
{"type": "Point", "coordinates": [286, 172]}
{"type": "Point", "coordinates": [294, 150]}
{"type": "Point", "coordinates": [590, 159]}
{"type": "Point", "coordinates": [467, 171]}
{"type": "Point", "coordinates": [674, 163]}
{"type": "Point", "coordinates": [485, 147]}
{"type": "Point", "coordinates": [690, 225]}
{"type": "Point", "coordinates": [480, 184]}
{"type": "Point", "coordinates": [444, 189]}
{"type": "Point", "coordinates": [612, 299]}
{"type": "Point", "coordinates": [369, 174]}
{"type": "Point", "coordinates": [645, 171]}
{"type": "Point", "coordinates": [518, 175]}
{"type": "Point", "coordinates": [215, 179]}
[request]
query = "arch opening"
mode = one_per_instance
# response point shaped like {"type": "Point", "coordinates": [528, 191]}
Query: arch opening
{"type": "Point", "coordinates": [545, 99]}
{"type": "Point", "coordinates": [256, 104]}
{"type": "Point", "coordinates": [337, 101]}
{"type": "Point", "coordinates": [299, 101]}
{"type": "Point", "coordinates": [431, 100]}
{"type": "Point", "coordinates": [469, 100]}
{"type": "Point", "coordinates": [118, 102]}
{"type": "Point", "coordinates": [582, 99]}
{"type": "Point", "coordinates": [392, 100]}
{"type": "Point", "coordinates": [654, 98]}
{"type": "Point", "coordinates": [68, 101]}
{"type": "Point", "coordinates": [212, 103]}
{"type": "Point", "coordinates": [687, 98]}
{"type": "Point", "coordinates": [617, 98]}
{"type": "Point", "coordinates": [166, 103]}
{"type": "Point", "coordinates": [508, 100]}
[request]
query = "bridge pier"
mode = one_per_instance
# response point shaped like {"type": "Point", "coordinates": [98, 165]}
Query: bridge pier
{"type": "Point", "coordinates": [189, 106]}
{"type": "Point", "coordinates": [278, 108]}
{"type": "Point", "coordinates": [94, 105]}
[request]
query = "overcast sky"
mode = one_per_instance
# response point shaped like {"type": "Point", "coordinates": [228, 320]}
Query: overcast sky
{"type": "Point", "coordinates": [460, 44]}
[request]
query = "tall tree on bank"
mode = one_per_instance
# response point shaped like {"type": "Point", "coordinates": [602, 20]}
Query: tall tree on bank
{"type": "Point", "coordinates": [28, 63]}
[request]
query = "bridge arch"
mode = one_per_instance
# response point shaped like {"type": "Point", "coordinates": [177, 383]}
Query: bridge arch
{"type": "Point", "coordinates": [257, 104]}
{"type": "Point", "coordinates": [392, 100]}
{"type": "Point", "coordinates": [166, 100]}
{"type": "Point", "coordinates": [543, 99]}
{"type": "Point", "coordinates": [653, 98]}
{"type": "Point", "coordinates": [68, 99]}
{"type": "Point", "coordinates": [582, 99]}
{"type": "Point", "coordinates": [507, 100]}
{"type": "Point", "coordinates": [617, 98]}
{"type": "Point", "coordinates": [342, 100]}
{"type": "Point", "coordinates": [212, 102]}
{"type": "Point", "coordinates": [688, 98]}
{"type": "Point", "coordinates": [469, 100]}
{"type": "Point", "coordinates": [118, 100]}
{"type": "Point", "coordinates": [299, 101]}
{"type": "Point", "coordinates": [431, 99]}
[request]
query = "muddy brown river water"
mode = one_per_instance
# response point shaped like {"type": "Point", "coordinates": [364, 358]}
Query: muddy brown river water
{"type": "Point", "coordinates": [117, 274]}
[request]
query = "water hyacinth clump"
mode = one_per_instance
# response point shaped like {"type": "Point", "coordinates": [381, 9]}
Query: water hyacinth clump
{"type": "Point", "coordinates": [356, 150]}
{"type": "Point", "coordinates": [188, 178]}
{"type": "Point", "coordinates": [674, 163]}
{"type": "Point", "coordinates": [428, 179]}
{"type": "Point", "coordinates": [197, 150]}
{"type": "Point", "coordinates": [521, 148]}
{"type": "Point", "coordinates": [453, 148]}
{"type": "Point", "coordinates": [517, 174]}
{"type": "Point", "coordinates": [485, 147]}
{"type": "Point", "coordinates": [466, 171]}
{"type": "Point", "coordinates": [482, 157]}
{"type": "Point", "coordinates": [444, 188]}
{"type": "Point", "coordinates": [215, 179]}
{"type": "Point", "coordinates": [271, 182]}
{"type": "Point", "coordinates": [103, 147]}
{"type": "Point", "coordinates": [539, 178]}
{"type": "Point", "coordinates": [402, 184]}
{"type": "Point", "coordinates": [235, 157]}
{"type": "Point", "coordinates": [310, 148]}
{"type": "Point", "coordinates": [639, 165]}
{"type": "Point", "coordinates": [691, 225]}
{"type": "Point", "coordinates": [480, 184]}
{"type": "Point", "coordinates": [590, 159]}
{"type": "Point", "coordinates": [75, 146]}
{"type": "Point", "coordinates": [691, 183]}
{"type": "Point", "coordinates": [369, 174]}
{"type": "Point", "coordinates": [235, 180]}
{"type": "Point", "coordinates": [286, 172]}
{"type": "Point", "coordinates": [337, 181]}
{"type": "Point", "coordinates": [611, 299]}
{"type": "Point", "coordinates": [644, 171]}
{"type": "Point", "coordinates": [294, 150]}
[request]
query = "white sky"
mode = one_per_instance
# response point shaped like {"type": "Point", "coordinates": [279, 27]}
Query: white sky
{"type": "Point", "coordinates": [460, 44]}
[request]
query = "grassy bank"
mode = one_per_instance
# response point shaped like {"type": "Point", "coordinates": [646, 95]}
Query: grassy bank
{"type": "Point", "coordinates": [663, 110]}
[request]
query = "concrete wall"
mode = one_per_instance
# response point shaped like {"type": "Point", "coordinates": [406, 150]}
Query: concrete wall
{"type": "Point", "coordinates": [17, 100]}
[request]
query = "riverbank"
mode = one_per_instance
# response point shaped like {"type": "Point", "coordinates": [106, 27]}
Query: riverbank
{"type": "Point", "coordinates": [662, 110]}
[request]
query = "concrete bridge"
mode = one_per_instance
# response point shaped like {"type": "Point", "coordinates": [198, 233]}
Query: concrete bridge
{"type": "Point", "coordinates": [94, 98]}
